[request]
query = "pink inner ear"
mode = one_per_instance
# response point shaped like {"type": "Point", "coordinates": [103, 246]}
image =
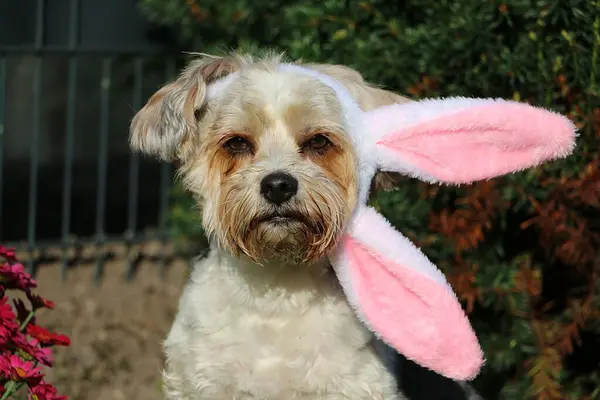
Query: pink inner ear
{"type": "Point", "coordinates": [482, 141]}
{"type": "Point", "coordinates": [412, 312]}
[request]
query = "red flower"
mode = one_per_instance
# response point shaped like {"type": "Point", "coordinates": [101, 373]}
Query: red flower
{"type": "Point", "coordinates": [8, 254]}
{"type": "Point", "coordinates": [47, 338]}
{"type": "Point", "coordinates": [32, 350]}
{"type": "Point", "coordinates": [38, 302]}
{"type": "Point", "coordinates": [13, 276]}
{"type": "Point", "coordinates": [20, 340]}
{"type": "Point", "coordinates": [22, 352]}
{"type": "Point", "coordinates": [5, 336]}
{"type": "Point", "coordinates": [17, 369]}
{"type": "Point", "coordinates": [44, 391]}
{"type": "Point", "coordinates": [4, 366]}
{"type": "Point", "coordinates": [8, 319]}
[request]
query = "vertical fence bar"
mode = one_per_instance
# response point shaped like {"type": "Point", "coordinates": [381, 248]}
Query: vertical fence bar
{"type": "Point", "coordinates": [165, 188]}
{"type": "Point", "coordinates": [70, 135]}
{"type": "Point", "coordinates": [34, 162]}
{"type": "Point", "coordinates": [2, 124]}
{"type": "Point", "coordinates": [105, 84]}
{"type": "Point", "coordinates": [35, 136]}
{"type": "Point", "coordinates": [134, 168]}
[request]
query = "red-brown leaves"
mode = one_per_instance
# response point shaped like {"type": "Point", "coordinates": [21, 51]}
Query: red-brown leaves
{"type": "Point", "coordinates": [467, 225]}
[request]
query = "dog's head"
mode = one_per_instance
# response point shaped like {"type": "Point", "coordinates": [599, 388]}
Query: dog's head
{"type": "Point", "coordinates": [268, 157]}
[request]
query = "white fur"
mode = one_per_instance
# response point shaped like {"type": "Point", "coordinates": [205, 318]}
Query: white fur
{"type": "Point", "coordinates": [279, 331]}
{"type": "Point", "coordinates": [247, 332]}
{"type": "Point", "coordinates": [217, 88]}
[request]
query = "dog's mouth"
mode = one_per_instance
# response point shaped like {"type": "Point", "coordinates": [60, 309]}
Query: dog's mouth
{"type": "Point", "coordinates": [286, 232]}
{"type": "Point", "coordinates": [279, 218]}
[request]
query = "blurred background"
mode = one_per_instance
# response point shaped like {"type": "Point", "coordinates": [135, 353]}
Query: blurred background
{"type": "Point", "coordinates": [109, 235]}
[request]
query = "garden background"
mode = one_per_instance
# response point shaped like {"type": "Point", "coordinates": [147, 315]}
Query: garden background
{"type": "Point", "coordinates": [521, 251]}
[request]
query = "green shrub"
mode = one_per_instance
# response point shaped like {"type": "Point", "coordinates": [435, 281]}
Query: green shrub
{"type": "Point", "coordinates": [522, 250]}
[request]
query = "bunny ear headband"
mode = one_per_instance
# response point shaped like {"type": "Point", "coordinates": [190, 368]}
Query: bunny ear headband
{"type": "Point", "coordinates": [394, 289]}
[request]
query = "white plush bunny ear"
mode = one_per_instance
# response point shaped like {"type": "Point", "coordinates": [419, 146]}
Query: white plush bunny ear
{"type": "Point", "coordinates": [462, 140]}
{"type": "Point", "coordinates": [404, 299]}
{"type": "Point", "coordinates": [396, 291]}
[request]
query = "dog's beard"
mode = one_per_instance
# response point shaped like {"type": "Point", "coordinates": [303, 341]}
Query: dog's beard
{"type": "Point", "coordinates": [299, 232]}
{"type": "Point", "coordinates": [283, 235]}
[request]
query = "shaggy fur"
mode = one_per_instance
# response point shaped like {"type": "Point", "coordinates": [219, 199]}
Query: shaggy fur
{"type": "Point", "coordinates": [262, 316]}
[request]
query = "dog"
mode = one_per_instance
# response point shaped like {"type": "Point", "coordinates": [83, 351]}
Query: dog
{"type": "Point", "coordinates": [266, 158]}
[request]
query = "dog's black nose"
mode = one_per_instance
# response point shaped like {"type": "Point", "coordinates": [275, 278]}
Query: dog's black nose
{"type": "Point", "coordinates": [278, 187]}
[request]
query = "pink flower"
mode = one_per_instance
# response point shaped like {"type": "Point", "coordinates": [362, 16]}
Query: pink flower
{"type": "Point", "coordinates": [31, 350]}
{"type": "Point", "coordinates": [23, 351]}
{"type": "Point", "coordinates": [43, 355]}
{"type": "Point", "coordinates": [20, 340]}
{"type": "Point", "coordinates": [13, 276]}
{"type": "Point", "coordinates": [8, 254]}
{"type": "Point", "coordinates": [4, 366]}
{"type": "Point", "coordinates": [6, 336]}
{"type": "Point", "coordinates": [44, 391]}
{"type": "Point", "coordinates": [8, 319]}
{"type": "Point", "coordinates": [17, 369]}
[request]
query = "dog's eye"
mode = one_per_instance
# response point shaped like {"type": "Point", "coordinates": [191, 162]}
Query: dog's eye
{"type": "Point", "coordinates": [237, 145]}
{"type": "Point", "coordinates": [317, 142]}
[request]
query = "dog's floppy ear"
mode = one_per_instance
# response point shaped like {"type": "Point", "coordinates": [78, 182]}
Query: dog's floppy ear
{"type": "Point", "coordinates": [171, 115]}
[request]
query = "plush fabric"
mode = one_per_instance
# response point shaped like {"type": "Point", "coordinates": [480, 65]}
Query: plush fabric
{"type": "Point", "coordinates": [404, 298]}
{"type": "Point", "coordinates": [465, 140]}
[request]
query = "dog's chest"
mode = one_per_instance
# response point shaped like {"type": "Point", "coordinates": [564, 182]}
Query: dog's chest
{"type": "Point", "coordinates": [310, 345]}
{"type": "Point", "coordinates": [289, 347]}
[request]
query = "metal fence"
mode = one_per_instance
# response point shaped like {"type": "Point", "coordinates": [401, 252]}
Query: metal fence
{"type": "Point", "coordinates": [38, 54]}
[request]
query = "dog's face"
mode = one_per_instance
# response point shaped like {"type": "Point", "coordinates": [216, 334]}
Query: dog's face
{"type": "Point", "coordinates": [275, 169]}
{"type": "Point", "coordinates": [268, 158]}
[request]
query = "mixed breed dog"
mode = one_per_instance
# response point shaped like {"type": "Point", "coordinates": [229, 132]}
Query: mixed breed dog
{"type": "Point", "coordinates": [306, 292]}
